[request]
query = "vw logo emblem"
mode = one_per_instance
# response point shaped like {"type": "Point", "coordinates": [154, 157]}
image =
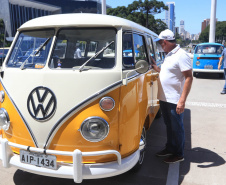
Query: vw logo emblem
{"type": "Point", "coordinates": [41, 103]}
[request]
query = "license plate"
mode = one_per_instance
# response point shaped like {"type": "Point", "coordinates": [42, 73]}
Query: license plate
{"type": "Point", "coordinates": [208, 67]}
{"type": "Point", "coordinates": [37, 159]}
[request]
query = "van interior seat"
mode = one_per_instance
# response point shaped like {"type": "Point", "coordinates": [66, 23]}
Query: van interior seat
{"type": "Point", "coordinates": [105, 63]}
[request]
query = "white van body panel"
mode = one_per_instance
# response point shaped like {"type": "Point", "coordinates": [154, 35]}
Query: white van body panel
{"type": "Point", "coordinates": [69, 87]}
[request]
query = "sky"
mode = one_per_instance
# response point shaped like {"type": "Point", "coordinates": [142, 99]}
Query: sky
{"type": "Point", "coordinates": [193, 12]}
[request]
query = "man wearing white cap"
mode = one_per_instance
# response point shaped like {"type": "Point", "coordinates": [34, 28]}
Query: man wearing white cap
{"type": "Point", "coordinates": [175, 83]}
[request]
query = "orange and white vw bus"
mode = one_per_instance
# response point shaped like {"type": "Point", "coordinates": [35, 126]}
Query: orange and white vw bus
{"type": "Point", "coordinates": [77, 96]}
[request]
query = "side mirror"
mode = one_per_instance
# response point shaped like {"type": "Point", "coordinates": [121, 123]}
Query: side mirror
{"type": "Point", "coordinates": [141, 66]}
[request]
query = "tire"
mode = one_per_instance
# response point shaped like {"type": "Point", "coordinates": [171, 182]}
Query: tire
{"type": "Point", "coordinates": [142, 149]}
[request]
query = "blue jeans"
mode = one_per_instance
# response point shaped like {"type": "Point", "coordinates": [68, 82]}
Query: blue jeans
{"type": "Point", "coordinates": [174, 128]}
{"type": "Point", "coordinates": [225, 78]}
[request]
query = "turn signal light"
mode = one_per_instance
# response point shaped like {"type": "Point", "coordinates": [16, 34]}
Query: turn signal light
{"type": "Point", "coordinates": [107, 103]}
{"type": "Point", "coordinates": [198, 58]}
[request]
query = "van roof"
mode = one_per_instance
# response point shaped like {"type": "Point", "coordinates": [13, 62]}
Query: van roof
{"type": "Point", "coordinates": [82, 20]}
{"type": "Point", "coordinates": [209, 43]}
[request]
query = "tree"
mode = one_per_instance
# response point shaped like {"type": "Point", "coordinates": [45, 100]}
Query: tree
{"type": "Point", "coordinates": [220, 33]}
{"type": "Point", "coordinates": [2, 35]}
{"type": "Point", "coordinates": [142, 13]}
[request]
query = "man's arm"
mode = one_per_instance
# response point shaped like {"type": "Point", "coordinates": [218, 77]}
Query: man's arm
{"type": "Point", "coordinates": [220, 62]}
{"type": "Point", "coordinates": [187, 87]}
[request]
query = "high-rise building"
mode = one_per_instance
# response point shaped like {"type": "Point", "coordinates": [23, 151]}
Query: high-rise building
{"type": "Point", "coordinates": [16, 12]}
{"type": "Point", "coordinates": [170, 16]}
{"type": "Point", "coordinates": [182, 30]}
{"type": "Point", "coordinates": [205, 23]}
{"type": "Point", "coordinates": [176, 30]}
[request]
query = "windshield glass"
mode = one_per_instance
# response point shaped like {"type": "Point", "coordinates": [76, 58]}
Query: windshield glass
{"type": "Point", "coordinates": [75, 47]}
{"type": "Point", "coordinates": [31, 49]}
{"type": "Point", "coordinates": [209, 49]}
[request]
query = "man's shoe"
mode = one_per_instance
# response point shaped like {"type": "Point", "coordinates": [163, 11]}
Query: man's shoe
{"type": "Point", "coordinates": [223, 92]}
{"type": "Point", "coordinates": [163, 153]}
{"type": "Point", "coordinates": [173, 159]}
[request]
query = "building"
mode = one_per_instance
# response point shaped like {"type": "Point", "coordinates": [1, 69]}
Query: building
{"type": "Point", "coordinates": [182, 30]}
{"type": "Point", "coordinates": [16, 12]}
{"type": "Point", "coordinates": [205, 23]}
{"type": "Point", "coordinates": [176, 30]}
{"type": "Point", "coordinates": [170, 16]}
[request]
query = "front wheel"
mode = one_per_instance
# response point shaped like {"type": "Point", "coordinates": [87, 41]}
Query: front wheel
{"type": "Point", "coordinates": [142, 149]}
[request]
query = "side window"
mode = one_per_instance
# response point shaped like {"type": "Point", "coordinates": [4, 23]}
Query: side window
{"type": "Point", "coordinates": [139, 48]}
{"type": "Point", "coordinates": [128, 56]}
{"type": "Point", "coordinates": [159, 54]}
{"type": "Point", "coordinates": [151, 47]}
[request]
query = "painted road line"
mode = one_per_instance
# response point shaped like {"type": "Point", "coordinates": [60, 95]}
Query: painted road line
{"type": "Point", "coordinates": [204, 104]}
{"type": "Point", "coordinates": [173, 174]}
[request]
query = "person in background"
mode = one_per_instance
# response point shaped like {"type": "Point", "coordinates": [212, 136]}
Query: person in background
{"type": "Point", "coordinates": [78, 53]}
{"type": "Point", "coordinates": [223, 58]}
{"type": "Point", "coordinates": [175, 83]}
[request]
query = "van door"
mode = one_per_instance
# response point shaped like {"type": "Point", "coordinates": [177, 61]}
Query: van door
{"type": "Point", "coordinates": [135, 97]}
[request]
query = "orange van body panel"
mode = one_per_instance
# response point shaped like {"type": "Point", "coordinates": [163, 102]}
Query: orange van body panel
{"type": "Point", "coordinates": [18, 132]}
{"type": "Point", "coordinates": [69, 138]}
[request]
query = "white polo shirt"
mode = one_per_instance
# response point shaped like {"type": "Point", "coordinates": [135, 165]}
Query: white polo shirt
{"type": "Point", "coordinates": [171, 78]}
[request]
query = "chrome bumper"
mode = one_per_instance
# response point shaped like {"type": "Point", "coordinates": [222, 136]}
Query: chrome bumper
{"type": "Point", "coordinates": [77, 171]}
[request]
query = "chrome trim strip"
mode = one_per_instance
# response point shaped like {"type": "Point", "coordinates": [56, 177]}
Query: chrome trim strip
{"type": "Point", "coordinates": [25, 122]}
{"type": "Point", "coordinates": [76, 109]}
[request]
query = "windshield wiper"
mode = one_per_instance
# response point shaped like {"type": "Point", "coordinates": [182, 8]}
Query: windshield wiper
{"type": "Point", "coordinates": [99, 52]}
{"type": "Point", "coordinates": [35, 52]}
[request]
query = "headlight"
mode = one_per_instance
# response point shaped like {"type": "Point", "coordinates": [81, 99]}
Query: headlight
{"type": "Point", "coordinates": [2, 96]}
{"type": "Point", "coordinates": [4, 119]}
{"type": "Point", "coordinates": [107, 103]}
{"type": "Point", "coordinates": [94, 129]}
{"type": "Point", "coordinates": [198, 63]}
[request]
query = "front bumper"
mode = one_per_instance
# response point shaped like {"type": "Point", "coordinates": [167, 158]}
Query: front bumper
{"type": "Point", "coordinates": [208, 70]}
{"type": "Point", "coordinates": [77, 171]}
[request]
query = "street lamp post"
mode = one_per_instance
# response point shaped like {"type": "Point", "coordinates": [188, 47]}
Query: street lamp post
{"type": "Point", "coordinates": [213, 21]}
{"type": "Point", "coordinates": [103, 7]}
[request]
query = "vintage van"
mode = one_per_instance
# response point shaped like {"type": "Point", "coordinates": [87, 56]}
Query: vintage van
{"type": "Point", "coordinates": [206, 58]}
{"type": "Point", "coordinates": [72, 104]}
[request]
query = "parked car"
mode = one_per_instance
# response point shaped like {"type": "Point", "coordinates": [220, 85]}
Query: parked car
{"type": "Point", "coordinates": [206, 58]}
{"type": "Point", "coordinates": [3, 53]}
{"type": "Point", "coordinates": [78, 118]}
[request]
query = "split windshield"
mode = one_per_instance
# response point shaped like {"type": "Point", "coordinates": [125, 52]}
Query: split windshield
{"type": "Point", "coordinates": [31, 49]}
{"type": "Point", "coordinates": [209, 49]}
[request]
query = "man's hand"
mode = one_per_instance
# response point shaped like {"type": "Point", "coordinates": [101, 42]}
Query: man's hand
{"type": "Point", "coordinates": [154, 66]}
{"type": "Point", "coordinates": [180, 107]}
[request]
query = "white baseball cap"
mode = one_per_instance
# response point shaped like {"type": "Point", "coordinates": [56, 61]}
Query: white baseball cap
{"type": "Point", "coordinates": [165, 35]}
